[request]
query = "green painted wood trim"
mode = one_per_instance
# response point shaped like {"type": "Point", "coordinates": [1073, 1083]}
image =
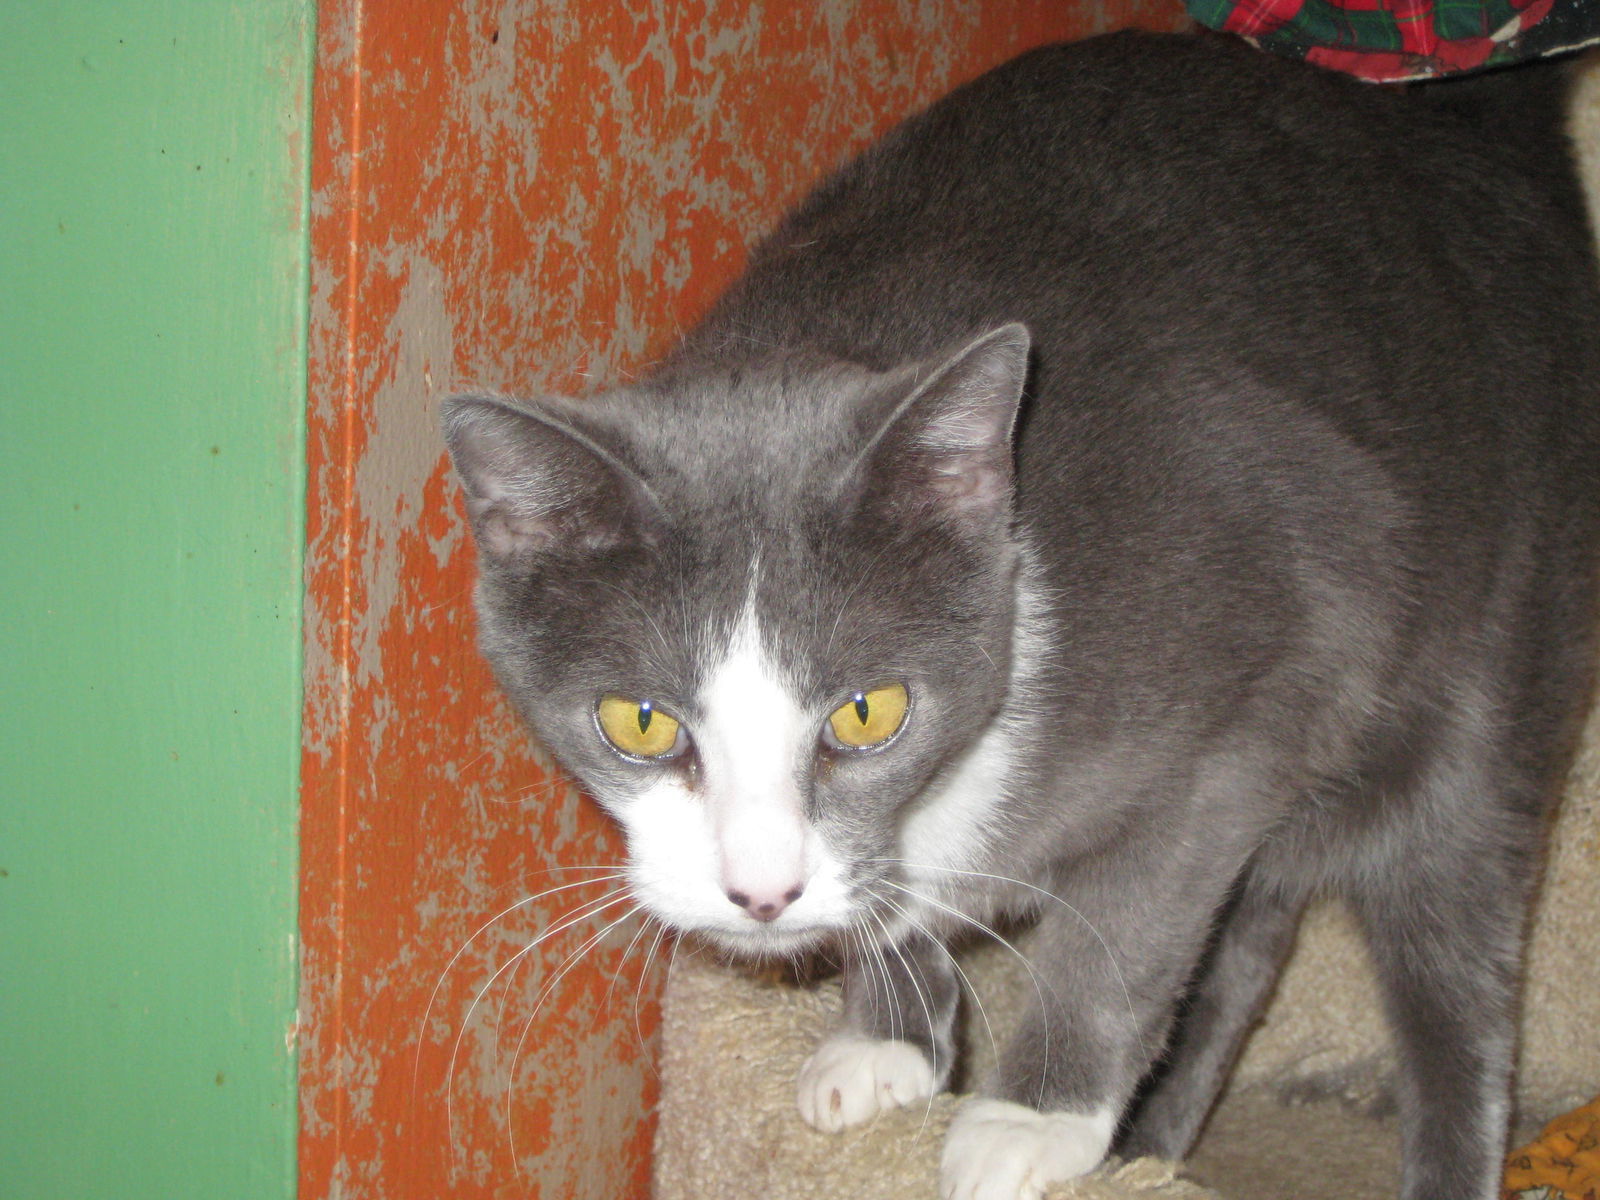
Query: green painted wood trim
{"type": "Point", "coordinates": [153, 297]}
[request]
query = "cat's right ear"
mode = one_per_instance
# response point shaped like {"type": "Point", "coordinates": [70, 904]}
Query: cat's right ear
{"type": "Point", "coordinates": [537, 482]}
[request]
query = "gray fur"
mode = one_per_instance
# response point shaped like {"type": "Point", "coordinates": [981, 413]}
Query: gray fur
{"type": "Point", "coordinates": [1304, 493]}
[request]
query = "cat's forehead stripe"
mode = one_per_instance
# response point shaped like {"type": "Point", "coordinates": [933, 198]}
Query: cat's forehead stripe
{"type": "Point", "coordinates": [751, 719]}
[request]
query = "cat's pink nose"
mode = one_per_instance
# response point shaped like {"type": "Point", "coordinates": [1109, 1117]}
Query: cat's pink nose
{"type": "Point", "coordinates": [766, 906]}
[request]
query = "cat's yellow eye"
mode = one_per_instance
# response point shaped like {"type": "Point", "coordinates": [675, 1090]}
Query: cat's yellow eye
{"type": "Point", "coordinates": [637, 727]}
{"type": "Point", "coordinates": [869, 719]}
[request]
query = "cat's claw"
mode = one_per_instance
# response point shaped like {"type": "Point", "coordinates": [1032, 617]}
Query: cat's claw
{"type": "Point", "coordinates": [997, 1150]}
{"type": "Point", "coordinates": [852, 1079]}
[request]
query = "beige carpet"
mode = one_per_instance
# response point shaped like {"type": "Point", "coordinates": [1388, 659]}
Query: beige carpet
{"type": "Point", "coordinates": [1304, 1117]}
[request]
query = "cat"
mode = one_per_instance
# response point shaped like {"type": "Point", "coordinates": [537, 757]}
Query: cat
{"type": "Point", "coordinates": [1153, 486]}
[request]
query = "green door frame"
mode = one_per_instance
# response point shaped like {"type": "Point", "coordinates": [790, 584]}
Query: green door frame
{"type": "Point", "coordinates": [153, 298]}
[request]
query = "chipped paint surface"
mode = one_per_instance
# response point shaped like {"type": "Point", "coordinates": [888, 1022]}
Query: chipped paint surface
{"type": "Point", "coordinates": [518, 196]}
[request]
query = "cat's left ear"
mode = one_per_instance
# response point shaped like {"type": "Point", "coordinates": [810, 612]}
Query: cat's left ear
{"type": "Point", "coordinates": [948, 439]}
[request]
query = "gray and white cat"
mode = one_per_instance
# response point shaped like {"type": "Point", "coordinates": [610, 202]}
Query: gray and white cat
{"type": "Point", "coordinates": [1153, 486]}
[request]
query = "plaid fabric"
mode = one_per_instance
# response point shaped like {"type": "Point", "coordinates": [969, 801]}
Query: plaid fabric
{"type": "Point", "coordinates": [1392, 40]}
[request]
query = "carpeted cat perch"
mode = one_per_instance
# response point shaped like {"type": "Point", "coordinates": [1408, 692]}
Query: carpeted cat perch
{"type": "Point", "coordinates": [1306, 1115]}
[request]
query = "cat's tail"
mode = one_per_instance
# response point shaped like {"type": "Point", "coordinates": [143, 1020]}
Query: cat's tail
{"type": "Point", "coordinates": [1583, 128]}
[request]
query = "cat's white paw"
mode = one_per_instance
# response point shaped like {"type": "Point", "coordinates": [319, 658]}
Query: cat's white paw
{"type": "Point", "coordinates": [997, 1150]}
{"type": "Point", "coordinates": [849, 1080]}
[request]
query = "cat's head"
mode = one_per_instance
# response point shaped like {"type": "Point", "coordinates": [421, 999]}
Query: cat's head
{"type": "Point", "coordinates": [755, 610]}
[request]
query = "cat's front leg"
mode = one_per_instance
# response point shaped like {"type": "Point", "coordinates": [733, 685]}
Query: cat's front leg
{"type": "Point", "coordinates": [1049, 1110]}
{"type": "Point", "coordinates": [895, 1045]}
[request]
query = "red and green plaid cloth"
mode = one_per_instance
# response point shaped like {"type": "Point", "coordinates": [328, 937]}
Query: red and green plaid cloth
{"type": "Point", "coordinates": [1392, 40]}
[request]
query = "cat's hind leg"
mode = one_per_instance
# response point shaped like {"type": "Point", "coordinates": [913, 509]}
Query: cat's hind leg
{"type": "Point", "coordinates": [1235, 979]}
{"type": "Point", "coordinates": [896, 1044]}
{"type": "Point", "coordinates": [1445, 912]}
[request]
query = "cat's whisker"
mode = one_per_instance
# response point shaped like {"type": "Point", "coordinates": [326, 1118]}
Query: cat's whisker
{"type": "Point", "coordinates": [614, 870]}
{"type": "Point", "coordinates": [451, 602]}
{"type": "Point", "coordinates": [644, 611]}
{"type": "Point", "coordinates": [861, 580]}
{"type": "Point", "coordinates": [863, 950]}
{"type": "Point", "coordinates": [586, 911]}
{"type": "Point", "coordinates": [476, 758]}
{"type": "Point", "coordinates": [638, 991]}
{"type": "Point", "coordinates": [433, 996]}
{"type": "Point", "coordinates": [685, 627]}
{"type": "Point", "coordinates": [583, 912]}
{"type": "Point", "coordinates": [955, 963]}
{"type": "Point", "coordinates": [927, 1011]}
{"type": "Point", "coordinates": [855, 949]}
{"type": "Point", "coordinates": [627, 951]}
{"type": "Point", "coordinates": [1116, 967]}
{"type": "Point", "coordinates": [986, 658]}
{"type": "Point", "coordinates": [511, 981]}
{"type": "Point", "coordinates": [872, 956]}
{"type": "Point", "coordinates": [1038, 987]}
{"type": "Point", "coordinates": [880, 963]}
{"type": "Point", "coordinates": [545, 993]}
{"type": "Point", "coordinates": [505, 1000]}
{"type": "Point", "coordinates": [911, 975]}
{"type": "Point", "coordinates": [540, 793]}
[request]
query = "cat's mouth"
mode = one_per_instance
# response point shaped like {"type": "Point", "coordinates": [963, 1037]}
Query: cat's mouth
{"type": "Point", "coordinates": [856, 920]}
{"type": "Point", "coordinates": [768, 941]}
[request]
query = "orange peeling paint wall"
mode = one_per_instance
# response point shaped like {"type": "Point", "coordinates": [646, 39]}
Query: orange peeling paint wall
{"type": "Point", "coordinates": [519, 196]}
